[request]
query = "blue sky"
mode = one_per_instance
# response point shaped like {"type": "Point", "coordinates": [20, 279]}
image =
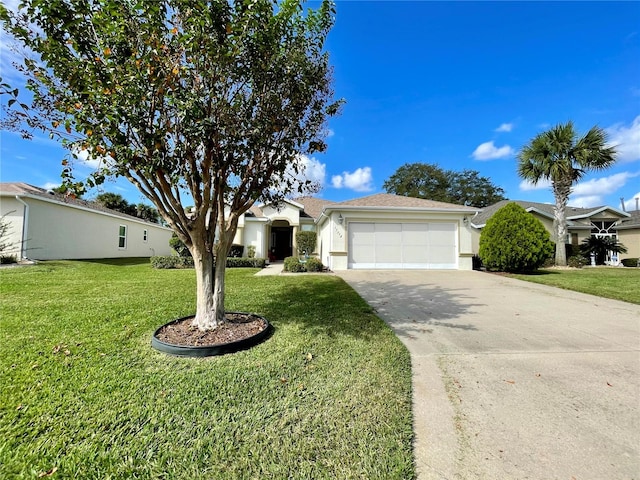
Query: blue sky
{"type": "Point", "coordinates": [461, 84]}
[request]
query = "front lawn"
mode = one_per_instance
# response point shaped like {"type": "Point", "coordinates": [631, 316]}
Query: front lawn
{"type": "Point", "coordinates": [84, 395]}
{"type": "Point", "coordinates": [619, 283]}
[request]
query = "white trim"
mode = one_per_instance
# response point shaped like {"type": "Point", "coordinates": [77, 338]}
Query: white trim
{"type": "Point", "coordinates": [120, 236]}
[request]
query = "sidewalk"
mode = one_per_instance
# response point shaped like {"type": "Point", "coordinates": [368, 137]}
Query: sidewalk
{"type": "Point", "coordinates": [274, 268]}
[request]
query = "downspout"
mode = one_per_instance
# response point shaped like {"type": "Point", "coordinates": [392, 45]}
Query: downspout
{"type": "Point", "coordinates": [25, 228]}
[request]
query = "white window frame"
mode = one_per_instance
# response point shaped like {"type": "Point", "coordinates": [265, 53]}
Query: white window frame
{"type": "Point", "coordinates": [122, 237]}
{"type": "Point", "coordinates": [145, 235]}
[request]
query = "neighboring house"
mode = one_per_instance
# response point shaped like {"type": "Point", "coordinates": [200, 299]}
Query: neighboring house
{"type": "Point", "coordinates": [49, 226]}
{"type": "Point", "coordinates": [582, 223]}
{"type": "Point", "coordinates": [378, 231]}
{"type": "Point", "coordinates": [628, 231]}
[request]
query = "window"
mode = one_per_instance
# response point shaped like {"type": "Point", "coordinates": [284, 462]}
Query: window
{"type": "Point", "coordinates": [122, 237]}
{"type": "Point", "coordinates": [145, 235]}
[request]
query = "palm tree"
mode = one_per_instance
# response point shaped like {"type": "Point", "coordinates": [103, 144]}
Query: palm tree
{"type": "Point", "coordinates": [560, 156]}
{"type": "Point", "coordinates": [600, 247]}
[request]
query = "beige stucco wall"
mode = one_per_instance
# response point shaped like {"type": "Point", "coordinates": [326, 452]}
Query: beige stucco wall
{"type": "Point", "coordinates": [287, 212]}
{"type": "Point", "coordinates": [13, 212]}
{"type": "Point", "coordinates": [255, 234]}
{"type": "Point", "coordinates": [630, 239]}
{"type": "Point", "coordinates": [59, 231]}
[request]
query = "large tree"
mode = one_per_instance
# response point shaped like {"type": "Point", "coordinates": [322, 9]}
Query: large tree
{"type": "Point", "coordinates": [561, 156]}
{"type": "Point", "coordinates": [424, 180]}
{"type": "Point", "coordinates": [211, 101]}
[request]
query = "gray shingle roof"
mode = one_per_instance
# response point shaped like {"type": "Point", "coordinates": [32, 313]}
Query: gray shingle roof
{"type": "Point", "coordinates": [545, 208]}
{"type": "Point", "coordinates": [400, 201]}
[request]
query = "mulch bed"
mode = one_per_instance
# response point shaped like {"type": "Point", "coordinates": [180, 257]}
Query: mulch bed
{"type": "Point", "coordinates": [238, 326]}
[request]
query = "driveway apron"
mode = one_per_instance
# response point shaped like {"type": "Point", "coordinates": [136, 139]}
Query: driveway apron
{"type": "Point", "coordinates": [513, 380]}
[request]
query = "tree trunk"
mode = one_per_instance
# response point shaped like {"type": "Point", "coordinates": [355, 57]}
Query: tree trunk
{"type": "Point", "coordinates": [561, 192]}
{"type": "Point", "coordinates": [208, 315]}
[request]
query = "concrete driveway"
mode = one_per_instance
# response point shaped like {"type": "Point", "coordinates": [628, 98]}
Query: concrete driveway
{"type": "Point", "coordinates": [514, 380]}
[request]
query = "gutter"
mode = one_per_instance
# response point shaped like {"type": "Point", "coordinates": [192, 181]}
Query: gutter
{"type": "Point", "coordinates": [25, 228]}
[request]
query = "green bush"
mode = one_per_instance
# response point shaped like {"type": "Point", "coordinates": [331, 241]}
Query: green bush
{"type": "Point", "coordinates": [171, 261]}
{"type": "Point", "coordinates": [293, 264]}
{"type": "Point", "coordinates": [246, 262]}
{"type": "Point", "coordinates": [577, 261]}
{"type": "Point", "coordinates": [178, 246]}
{"type": "Point", "coordinates": [306, 241]}
{"type": "Point", "coordinates": [7, 259]}
{"type": "Point", "coordinates": [236, 251]}
{"type": "Point", "coordinates": [251, 251]}
{"type": "Point", "coordinates": [313, 265]}
{"type": "Point", "coordinates": [175, 261]}
{"type": "Point", "coordinates": [631, 262]}
{"type": "Point", "coordinates": [514, 241]}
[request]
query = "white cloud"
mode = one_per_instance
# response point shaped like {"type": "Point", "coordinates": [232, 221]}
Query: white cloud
{"type": "Point", "coordinates": [630, 204]}
{"type": "Point", "coordinates": [527, 186]}
{"type": "Point", "coordinates": [604, 185]}
{"type": "Point", "coordinates": [505, 127]}
{"type": "Point", "coordinates": [626, 140]}
{"type": "Point", "coordinates": [308, 169]}
{"type": "Point", "coordinates": [360, 180]}
{"type": "Point", "coordinates": [488, 151]}
{"type": "Point", "coordinates": [50, 185]}
{"type": "Point", "coordinates": [586, 201]}
{"type": "Point", "coordinates": [330, 133]}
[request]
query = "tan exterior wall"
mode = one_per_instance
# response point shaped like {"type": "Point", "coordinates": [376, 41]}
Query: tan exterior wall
{"type": "Point", "coordinates": [255, 234]}
{"type": "Point", "coordinates": [631, 240]}
{"type": "Point", "coordinates": [58, 231]}
{"type": "Point", "coordinates": [287, 212]}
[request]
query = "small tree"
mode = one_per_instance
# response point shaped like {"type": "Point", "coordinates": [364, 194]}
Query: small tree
{"type": "Point", "coordinates": [514, 241]}
{"type": "Point", "coordinates": [600, 246]}
{"type": "Point", "coordinates": [306, 242]}
{"type": "Point", "coordinates": [214, 101]}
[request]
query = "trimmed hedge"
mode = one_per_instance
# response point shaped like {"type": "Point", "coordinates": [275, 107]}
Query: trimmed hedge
{"type": "Point", "coordinates": [577, 261]}
{"type": "Point", "coordinates": [171, 261]}
{"type": "Point", "coordinates": [175, 261]}
{"type": "Point", "coordinates": [294, 265]}
{"type": "Point", "coordinates": [630, 262]}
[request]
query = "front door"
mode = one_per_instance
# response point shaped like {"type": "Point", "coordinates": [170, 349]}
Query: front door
{"type": "Point", "coordinates": [282, 242]}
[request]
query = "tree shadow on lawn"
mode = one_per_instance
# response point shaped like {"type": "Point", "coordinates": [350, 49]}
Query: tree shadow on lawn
{"type": "Point", "coordinates": [120, 262]}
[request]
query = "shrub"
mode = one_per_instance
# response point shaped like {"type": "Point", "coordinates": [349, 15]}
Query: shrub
{"type": "Point", "coordinates": [313, 265]}
{"type": "Point", "coordinates": [251, 251]}
{"type": "Point", "coordinates": [178, 246]}
{"type": "Point", "coordinates": [236, 251]}
{"type": "Point", "coordinates": [174, 261]}
{"type": "Point", "coordinates": [293, 264]}
{"type": "Point", "coordinates": [631, 262]}
{"type": "Point", "coordinates": [514, 241]}
{"type": "Point", "coordinates": [6, 259]}
{"type": "Point", "coordinates": [577, 261]}
{"type": "Point", "coordinates": [171, 261]}
{"type": "Point", "coordinates": [246, 262]}
{"type": "Point", "coordinates": [306, 242]}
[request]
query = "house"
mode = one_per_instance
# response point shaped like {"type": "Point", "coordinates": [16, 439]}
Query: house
{"type": "Point", "coordinates": [378, 231]}
{"type": "Point", "coordinates": [47, 226]}
{"type": "Point", "coordinates": [581, 223]}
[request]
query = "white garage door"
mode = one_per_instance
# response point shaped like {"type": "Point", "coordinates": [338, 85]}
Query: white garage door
{"type": "Point", "coordinates": [403, 245]}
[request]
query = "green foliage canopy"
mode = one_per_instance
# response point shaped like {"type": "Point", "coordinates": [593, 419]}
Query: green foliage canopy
{"type": "Point", "coordinates": [213, 98]}
{"type": "Point", "coordinates": [306, 242]}
{"type": "Point", "coordinates": [429, 181]}
{"type": "Point", "coordinates": [514, 241]}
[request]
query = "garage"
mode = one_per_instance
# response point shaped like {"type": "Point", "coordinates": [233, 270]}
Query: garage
{"type": "Point", "coordinates": [402, 245]}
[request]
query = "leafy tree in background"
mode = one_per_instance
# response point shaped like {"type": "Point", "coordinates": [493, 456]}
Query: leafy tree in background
{"type": "Point", "coordinates": [216, 99]}
{"type": "Point", "coordinates": [514, 241]}
{"type": "Point", "coordinates": [559, 155]}
{"type": "Point", "coordinates": [600, 247]}
{"type": "Point", "coordinates": [115, 201]}
{"type": "Point", "coordinates": [429, 181]}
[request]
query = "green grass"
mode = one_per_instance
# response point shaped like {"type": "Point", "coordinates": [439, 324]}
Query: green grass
{"type": "Point", "coordinates": [617, 283]}
{"type": "Point", "coordinates": [83, 391]}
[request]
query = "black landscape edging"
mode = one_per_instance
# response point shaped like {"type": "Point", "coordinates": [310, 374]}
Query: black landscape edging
{"type": "Point", "coordinates": [209, 350]}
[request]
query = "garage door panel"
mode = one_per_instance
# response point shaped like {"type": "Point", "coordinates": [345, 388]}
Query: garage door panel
{"type": "Point", "coordinates": [402, 245]}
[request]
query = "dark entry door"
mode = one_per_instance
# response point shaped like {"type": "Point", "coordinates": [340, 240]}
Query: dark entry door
{"type": "Point", "coordinates": [282, 242]}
